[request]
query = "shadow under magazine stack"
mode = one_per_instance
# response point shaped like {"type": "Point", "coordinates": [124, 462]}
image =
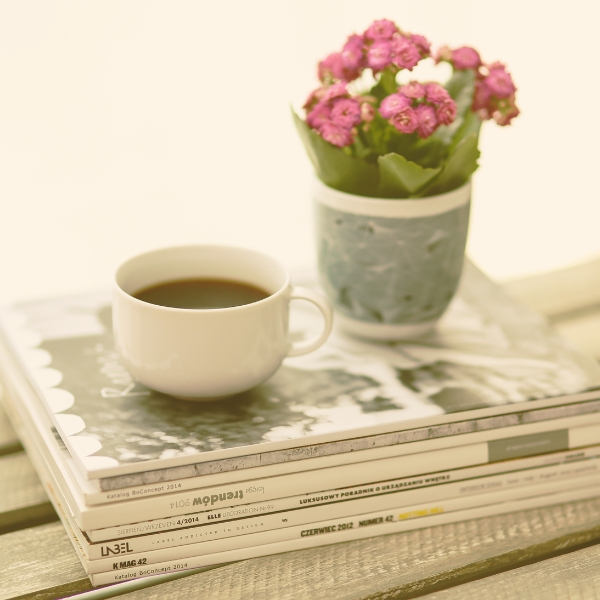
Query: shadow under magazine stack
{"type": "Point", "coordinates": [493, 412]}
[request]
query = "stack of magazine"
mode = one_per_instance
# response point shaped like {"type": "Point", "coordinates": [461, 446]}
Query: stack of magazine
{"type": "Point", "coordinates": [492, 412]}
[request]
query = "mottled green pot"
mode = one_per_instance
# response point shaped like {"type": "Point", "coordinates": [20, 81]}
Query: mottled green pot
{"type": "Point", "coordinates": [390, 267]}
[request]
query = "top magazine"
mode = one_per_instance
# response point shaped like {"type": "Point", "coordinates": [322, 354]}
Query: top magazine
{"type": "Point", "coordinates": [488, 355]}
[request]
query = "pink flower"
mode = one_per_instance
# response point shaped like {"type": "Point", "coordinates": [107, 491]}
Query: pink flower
{"type": "Point", "coordinates": [499, 81]}
{"type": "Point", "coordinates": [337, 90]}
{"type": "Point", "coordinates": [331, 67]}
{"type": "Point", "coordinates": [406, 55]}
{"type": "Point", "coordinates": [367, 112]}
{"type": "Point", "coordinates": [436, 94]}
{"type": "Point", "coordinates": [422, 44]}
{"type": "Point", "coordinates": [414, 89]}
{"type": "Point", "coordinates": [336, 135]}
{"type": "Point", "coordinates": [465, 57]}
{"type": "Point", "coordinates": [392, 105]}
{"type": "Point", "coordinates": [345, 112]}
{"type": "Point", "coordinates": [352, 54]}
{"type": "Point", "coordinates": [427, 120]}
{"type": "Point", "coordinates": [320, 114]}
{"type": "Point", "coordinates": [490, 99]}
{"type": "Point", "coordinates": [379, 55]}
{"type": "Point", "coordinates": [405, 121]}
{"type": "Point", "coordinates": [381, 30]}
{"type": "Point", "coordinates": [446, 112]}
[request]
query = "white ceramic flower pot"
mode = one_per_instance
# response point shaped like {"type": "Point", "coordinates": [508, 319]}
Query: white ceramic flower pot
{"type": "Point", "coordinates": [390, 267]}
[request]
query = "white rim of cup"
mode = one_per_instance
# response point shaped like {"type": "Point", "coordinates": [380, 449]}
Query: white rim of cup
{"type": "Point", "coordinates": [280, 291]}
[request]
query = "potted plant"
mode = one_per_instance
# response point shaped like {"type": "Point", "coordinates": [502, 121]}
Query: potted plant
{"type": "Point", "coordinates": [393, 158]}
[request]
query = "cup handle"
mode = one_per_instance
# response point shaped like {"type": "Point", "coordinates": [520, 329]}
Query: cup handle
{"type": "Point", "coordinates": [323, 304]}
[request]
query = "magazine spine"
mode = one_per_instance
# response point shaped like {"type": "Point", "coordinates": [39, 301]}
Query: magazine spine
{"type": "Point", "coordinates": [449, 494]}
{"type": "Point", "coordinates": [322, 497]}
{"type": "Point", "coordinates": [343, 535]}
{"type": "Point", "coordinates": [157, 526]}
{"type": "Point", "coordinates": [181, 503]}
{"type": "Point", "coordinates": [327, 520]}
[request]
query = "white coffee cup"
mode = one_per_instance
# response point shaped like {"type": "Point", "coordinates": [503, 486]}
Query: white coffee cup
{"type": "Point", "coordinates": [208, 353]}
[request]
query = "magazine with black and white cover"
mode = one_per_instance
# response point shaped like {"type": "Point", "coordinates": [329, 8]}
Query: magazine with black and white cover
{"type": "Point", "coordinates": [578, 431]}
{"type": "Point", "coordinates": [488, 356]}
{"type": "Point", "coordinates": [254, 479]}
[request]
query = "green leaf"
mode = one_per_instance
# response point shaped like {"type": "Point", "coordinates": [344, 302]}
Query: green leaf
{"type": "Point", "coordinates": [385, 86]}
{"type": "Point", "coordinates": [471, 124]}
{"type": "Point", "coordinates": [428, 153]}
{"type": "Point", "coordinates": [401, 178]}
{"type": "Point", "coordinates": [461, 164]}
{"type": "Point", "coordinates": [334, 167]}
{"type": "Point", "coordinates": [461, 86]}
{"type": "Point", "coordinates": [377, 137]}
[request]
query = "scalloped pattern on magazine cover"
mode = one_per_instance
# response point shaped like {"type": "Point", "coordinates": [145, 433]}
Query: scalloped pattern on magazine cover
{"type": "Point", "coordinates": [48, 379]}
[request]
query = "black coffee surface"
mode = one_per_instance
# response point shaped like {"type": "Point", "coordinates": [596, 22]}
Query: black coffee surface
{"type": "Point", "coordinates": [201, 293]}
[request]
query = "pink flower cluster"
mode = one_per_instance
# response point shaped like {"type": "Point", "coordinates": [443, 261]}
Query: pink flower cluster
{"type": "Point", "coordinates": [381, 46]}
{"type": "Point", "coordinates": [339, 117]}
{"type": "Point", "coordinates": [494, 96]}
{"type": "Point", "coordinates": [418, 107]}
{"type": "Point", "coordinates": [334, 114]}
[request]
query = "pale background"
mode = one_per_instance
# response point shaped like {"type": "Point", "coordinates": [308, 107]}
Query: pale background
{"type": "Point", "coordinates": [130, 125]}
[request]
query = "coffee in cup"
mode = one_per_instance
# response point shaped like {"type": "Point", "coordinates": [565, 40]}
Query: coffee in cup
{"type": "Point", "coordinates": [201, 293]}
{"type": "Point", "coordinates": [203, 322]}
